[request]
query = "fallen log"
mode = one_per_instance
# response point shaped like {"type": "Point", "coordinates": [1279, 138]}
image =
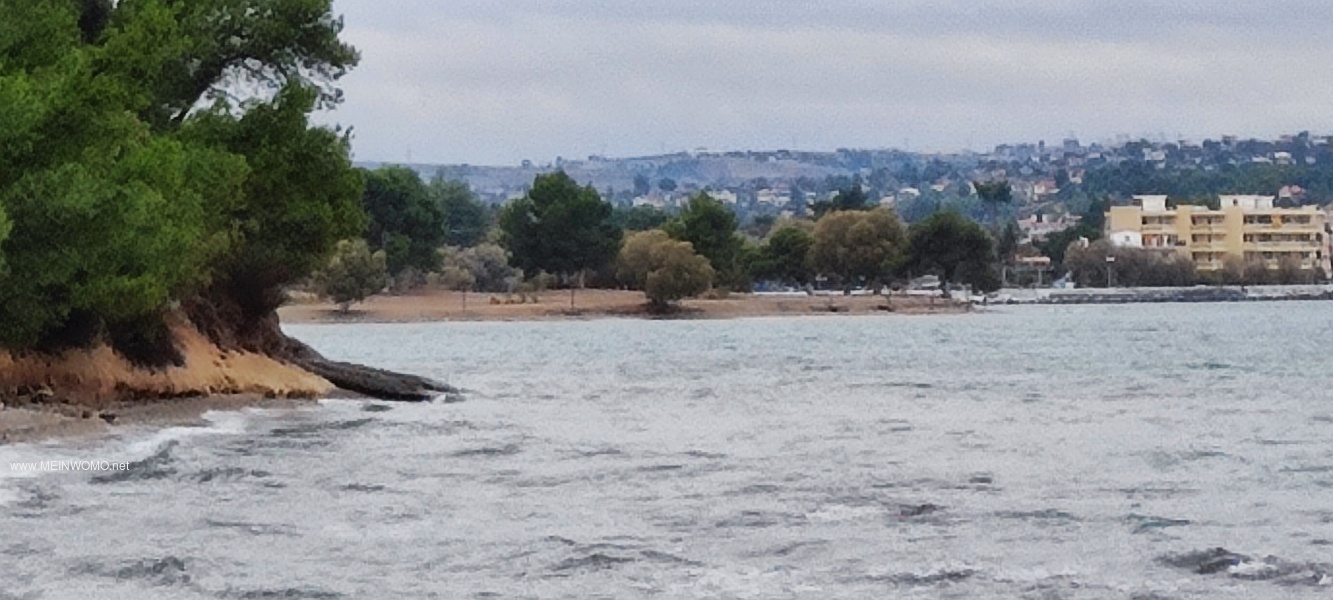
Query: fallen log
{"type": "Point", "coordinates": [373, 382]}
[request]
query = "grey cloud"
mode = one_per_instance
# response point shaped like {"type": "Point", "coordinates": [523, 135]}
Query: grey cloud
{"type": "Point", "coordinates": [487, 82]}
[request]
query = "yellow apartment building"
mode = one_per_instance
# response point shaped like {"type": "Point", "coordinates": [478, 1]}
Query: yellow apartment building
{"type": "Point", "coordinates": [1245, 227]}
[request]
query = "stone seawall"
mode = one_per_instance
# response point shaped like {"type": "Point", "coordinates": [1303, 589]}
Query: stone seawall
{"type": "Point", "coordinates": [1179, 294]}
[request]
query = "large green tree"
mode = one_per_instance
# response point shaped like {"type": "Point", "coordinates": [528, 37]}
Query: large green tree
{"type": "Point", "coordinates": [302, 196]}
{"type": "Point", "coordinates": [465, 219]}
{"type": "Point", "coordinates": [560, 228]}
{"type": "Point", "coordinates": [858, 247]}
{"type": "Point", "coordinates": [955, 249]}
{"type": "Point", "coordinates": [994, 195]}
{"type": "Point", "coordinates": [785, 256]}
{"type": "Point", "coordinates": [150, 149]}
{"type": "Point", "coordinates": [406, 221]}
{"type": "Point", "coordinates": [711, 228]}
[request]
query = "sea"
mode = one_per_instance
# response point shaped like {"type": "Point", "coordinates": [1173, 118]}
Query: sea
{"type": "Point", "coordinates": [1141, 452]}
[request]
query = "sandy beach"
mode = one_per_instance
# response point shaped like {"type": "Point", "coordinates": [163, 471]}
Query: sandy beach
{"type": "Point", "coordinates": [440, 305]}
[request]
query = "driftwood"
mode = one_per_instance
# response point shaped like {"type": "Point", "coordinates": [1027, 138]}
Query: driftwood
{"type": "Point", "coordinates": [376, 383]}
{"type": "Point", "coordinates": [231, 326]}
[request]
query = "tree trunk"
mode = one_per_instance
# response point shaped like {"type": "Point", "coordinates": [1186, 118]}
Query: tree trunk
{"type": "Point", "coordinates": [376, 383]}
{"type": "Point", "coordinates": [225, 323]}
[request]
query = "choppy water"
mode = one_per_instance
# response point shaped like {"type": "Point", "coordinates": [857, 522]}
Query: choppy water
{"type": "Point", "coordinates": [1032, 452]}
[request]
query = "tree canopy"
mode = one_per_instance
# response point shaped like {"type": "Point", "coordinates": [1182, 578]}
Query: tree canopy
{"type": "Point", "coordinates": [465, 219]}
{"type": "Point", "coordinates": [711, 228]}
{"type": "Point", "coordinates": [559, 227]}
{"type": "Point", "coordinates": [150, 149]}
{"type": "Point", "coordinates": [954, 248]}
{"type": "Point", "coordinates": [666, 270]}
{"type": "Point", "coordinates": [785, 256]}
{"type": "Point", "coordinates": [405, 220]}
{"type": "Point", "coordinates": [858, 247]}
{"type": "Point", "coordinates": [352, 275]}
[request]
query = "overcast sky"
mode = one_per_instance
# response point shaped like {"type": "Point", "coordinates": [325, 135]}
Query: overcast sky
{"type": "Point", "coordinates": [498, 81]}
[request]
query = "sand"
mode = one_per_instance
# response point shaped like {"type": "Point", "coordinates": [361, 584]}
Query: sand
{"type": "Point", "coordinates": [440, 305]}
{"type": "Point", "coordinates": [82, 392]}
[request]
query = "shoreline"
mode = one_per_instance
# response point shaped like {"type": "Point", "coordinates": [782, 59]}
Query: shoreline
{"type": "Point", "coordinates": [37, 424]}
{"type": "Point", "coordinates": [431, 305]}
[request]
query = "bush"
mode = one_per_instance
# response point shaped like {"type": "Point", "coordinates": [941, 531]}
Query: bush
{"type": "Point", "coordinates": [1136, 267]}
{"type": "Point", "coordinates": [353, 274]}
{"type": "Point", "coordinates": [666, 270]}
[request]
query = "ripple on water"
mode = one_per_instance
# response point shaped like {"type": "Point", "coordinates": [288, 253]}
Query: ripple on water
{"type": "Point", "coordinates": [158, 466]}
{"type": "Point", "coordinates": [489, 451]}
{"type": "Point", "coordinates": [165, 571]}
{"type": "Point", "coordinates": [1222, 562]}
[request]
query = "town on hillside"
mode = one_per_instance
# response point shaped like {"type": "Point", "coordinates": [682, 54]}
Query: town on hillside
{"type": "Point", "coordinates": [1059, 193]}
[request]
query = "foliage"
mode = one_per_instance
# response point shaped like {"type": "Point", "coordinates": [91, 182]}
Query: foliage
{"type": "Point", "coordinates": [487, 264]}
{"type": "Point", "coordinates": [405, 220]}
{"type": "Point", "coordinates": [954, 248]}
{"type": "Point", "coordinates": [465, 219]}
{"type": "Point", "coordinates": [993, 195]}
{"type": "Point", "coordinates": [760, 226]}
{"type": "Point", "coordinates": [215, 47]}
{"type": "Point", "coordinates": [559, 227]}
{"type": "Point", "coordinates": [1007, 245]}
{"type": "Point", "coordinates": [711, 229]}
{"type": "Point", "coordinates": [301, 198]}
{"type": "Point", "coordinates": [639, 218]}
{"type": "Point", "coordinates": [785, 257]}
{"type": "Point", "coordinates": [852, 197]}
{"type": "Point", "coordinates": [1131, 267]}
{"type": "Point", "coordinates": [120, 191]}
{"type": "Point", "coordinates": [458, 278]}
{"type": "Point", "coordinates": [667, 270]}
{"type": "Point", "coordinates": [353, 274]}
{"type": "Point", "coordinates": [860, 247]}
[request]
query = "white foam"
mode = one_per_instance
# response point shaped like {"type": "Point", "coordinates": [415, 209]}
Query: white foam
{"type": "Point", "coordinates": [1250, 569]}
{"type": "Point", "coordinates": [220, 422]}
{"type": "Point", "coordinates": [834, 513]}
{"type": "Point", "coordinates": [8, 476]}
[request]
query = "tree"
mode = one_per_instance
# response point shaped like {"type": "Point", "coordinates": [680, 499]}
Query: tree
{"type": "Point", "coordinates": [218, 46]}
{"type": "Point", "coordinates": [458, 279]}
{"type": "Point", "coordinates": [639, 218]}
{"type": "Point", "coordinates": [711, 229]}
{"type": "Point", "coordinates": [353, 274]}
{"type": "Point", "coordinates": [848, 198]}
{"type": "Point", "coordinates": [994, 195]}
{"type": "Point", "coordinates": [785, 256]}
{"type": "Point", "coordinates": [559, 227]}
{"type": "Point", "coordinates": [954, 248]}
{"type": "Point", "coordinates": [105, 223]}
{"type": "Point", "coordinates": [406, 221]}
{"type": "Point", "coordinates": [641, 185]}
{"type": "Point", "coordinates": [666, 184]}
{"type": "Point", "coordinates": [488, 263]}
{"type": "Point", "coordinates": [858, 247]}
{"type": "Point", "coordinates": [667, 270]}
{"type": "Point", "coordinates": [301, 197]}
{"type": "Point", "coordinates": [150, 148]}
{"type": "Point", "coordinates": [1130, 267]}
{"type": "Point", "coordinates": [465, 219]}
